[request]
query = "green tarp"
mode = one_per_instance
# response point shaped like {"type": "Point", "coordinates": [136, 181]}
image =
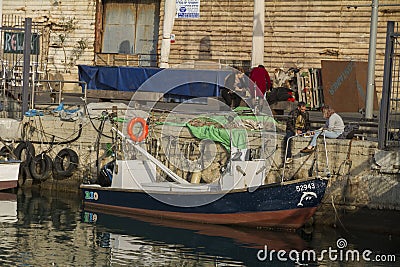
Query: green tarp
{"type": "Point", "coordinates": [222, 135]}
{"type": "Point", "coordinates": [225, 136]}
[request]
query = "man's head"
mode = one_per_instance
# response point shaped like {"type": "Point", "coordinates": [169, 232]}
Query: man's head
{"type": "Point", "coordinates": [301, 106]}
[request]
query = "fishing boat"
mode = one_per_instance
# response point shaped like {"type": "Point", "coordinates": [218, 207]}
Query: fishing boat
{"type": "Point", "coordinates": [9, 171]}
{"type": "Point", "coordinates": [240, 197]}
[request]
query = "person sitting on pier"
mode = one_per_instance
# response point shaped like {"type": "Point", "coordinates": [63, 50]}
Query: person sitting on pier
{"type": "Point", "coordinates": [298, 122]}
{"type": "Point", "coordinates": [334, 127]}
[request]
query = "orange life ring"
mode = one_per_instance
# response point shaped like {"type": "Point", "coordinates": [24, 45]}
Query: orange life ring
{"type": "Point", "coordinates": [145, 129]}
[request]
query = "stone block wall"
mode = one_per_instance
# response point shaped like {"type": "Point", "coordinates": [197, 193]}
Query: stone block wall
{"type": "Point", "coordinates": [356, 178]}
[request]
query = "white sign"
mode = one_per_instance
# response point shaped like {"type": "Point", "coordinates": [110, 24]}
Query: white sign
{"type": "Point", "coordinates": [187, 9]}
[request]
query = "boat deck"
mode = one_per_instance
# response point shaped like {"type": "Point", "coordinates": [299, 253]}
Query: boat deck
{"type": "Point", "coordinates": [176, 187]}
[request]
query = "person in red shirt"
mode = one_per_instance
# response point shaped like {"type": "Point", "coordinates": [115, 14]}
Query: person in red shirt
{"type": "Point", "coordinates": [259, 75]}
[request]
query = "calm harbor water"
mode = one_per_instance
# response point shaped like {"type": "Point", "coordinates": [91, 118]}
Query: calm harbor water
{"type": "Point", "coordinates": [42, 229]}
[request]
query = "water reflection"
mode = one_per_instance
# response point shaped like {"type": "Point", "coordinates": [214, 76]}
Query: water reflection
{"type": "Point", "coordinates": [157, 241]}
{"type": "Point", "coordinates": [47, 231]}
{"type": "Point", "coordinates": [8, 208]}
{"type": "Point", "coordinates": [43, 229]}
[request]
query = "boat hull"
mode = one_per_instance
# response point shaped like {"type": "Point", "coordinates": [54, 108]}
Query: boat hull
{"type": "Point", "coordinates": [287, 205]}
{"type": "Point", "coordinates": [9, 172]}
{"type": "Point", "coordinates": [8, 184]}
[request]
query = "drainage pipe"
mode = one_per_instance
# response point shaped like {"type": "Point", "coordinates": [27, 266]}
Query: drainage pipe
{"type": "Point", "coordinates": [168, 24]}
{"type": "Point", "coordinates": [257, 51]}
{"type": "Point", "coordinates": [369, 100]}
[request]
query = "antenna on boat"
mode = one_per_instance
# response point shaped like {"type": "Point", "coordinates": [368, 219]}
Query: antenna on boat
{"type": "Point", "coordinates": [230, 120]}
{"type": "Point", "coordinates": [284, 162]}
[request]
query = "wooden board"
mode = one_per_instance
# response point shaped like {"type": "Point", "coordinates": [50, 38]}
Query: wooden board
{"type": "Point", "coordinates": [109, 59]}
{"type": "Point", "coordinates": [344, 85]}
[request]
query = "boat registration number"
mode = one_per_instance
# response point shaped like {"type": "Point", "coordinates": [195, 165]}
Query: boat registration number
{"type": "Point", "coordinates": [304, 187]}
{"type": "Point", "coordinates": [89, 195]}
{"type": "Point", "coordinates": [89, 217]}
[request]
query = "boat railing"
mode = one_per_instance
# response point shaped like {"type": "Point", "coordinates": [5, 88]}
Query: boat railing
{"type": "Point", "coordinates": [158, 163]}
{"type": "Point", "coordinates": [307, 134]}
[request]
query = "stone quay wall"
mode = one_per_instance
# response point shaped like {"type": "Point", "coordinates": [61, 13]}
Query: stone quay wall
{"type": "Point", "coordinates": [360, 174]}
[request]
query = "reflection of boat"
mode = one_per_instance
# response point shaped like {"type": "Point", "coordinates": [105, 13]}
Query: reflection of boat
{"type": "Point", "coordinates": [8, 208]}
{"type": "Point", "coordinates": [239, 197]}
{"type": "Point", "coordinates": [239, 243]}
{"type": "Point", "coordinates": [250, 237]}
{"type": "Point", "coordinates": [9, 171]}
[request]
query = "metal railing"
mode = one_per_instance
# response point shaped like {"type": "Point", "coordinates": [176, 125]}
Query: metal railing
{"type": "Point", "coordinates": [58, 93]}
{"type": "Point", "coordinates": [11, 102]}
{"type": "Point", "coordinates": [389, 121]}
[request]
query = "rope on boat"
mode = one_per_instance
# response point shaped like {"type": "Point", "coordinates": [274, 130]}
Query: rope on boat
{"type": "Point", "coordinates": [337, 215]}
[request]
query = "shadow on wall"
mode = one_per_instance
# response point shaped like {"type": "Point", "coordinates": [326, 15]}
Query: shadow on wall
{"type": "Point", "coordinates": [125, 47]}
{"type": "Point", "coordinates": [205, 48]}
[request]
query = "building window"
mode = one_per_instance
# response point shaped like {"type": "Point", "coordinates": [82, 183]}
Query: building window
{"type": "Point", "coordinates": [129, 27]}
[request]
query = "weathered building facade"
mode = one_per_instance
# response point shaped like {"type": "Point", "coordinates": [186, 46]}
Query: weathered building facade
{"type": "Point", "coordinates": [121, 32]}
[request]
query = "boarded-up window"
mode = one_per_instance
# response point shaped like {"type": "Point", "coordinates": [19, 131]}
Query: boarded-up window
{"type": "Point", "coordinates": [131, 27]}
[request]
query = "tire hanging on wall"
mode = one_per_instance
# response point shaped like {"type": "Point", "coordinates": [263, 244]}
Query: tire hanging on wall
{"type": "Point", "coordinates": [29, 150]}
{"type": "Point", "coordinates": [24, 174]}
{"type": "Point", "coordinates": [40, 167]}
{"type": "Point", "coordinates": [65, 163]}
{"type": "Point", "coordinates": [5, 151]}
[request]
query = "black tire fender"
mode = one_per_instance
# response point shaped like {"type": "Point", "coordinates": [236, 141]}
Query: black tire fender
{"type": "Point", "coordinates": [40, 167]}
{"type": "Point", "coordinates": [24, 172]}
{"type": "Point", "coordinates": [29, 151]}
{"type": "Point", "coordinates": [65, 163]}
{"type": "Point", "coordinates": [6, 150]}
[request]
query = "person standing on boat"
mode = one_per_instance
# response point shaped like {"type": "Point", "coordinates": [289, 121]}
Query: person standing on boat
{"type": "Point", "coordinates": [334, 127]}
{"type": "Point", "coordinates": [235, 88]}
{"type": "Point", "coordinates": [260, 76]}
{"type": "Point", "coordinates": [297, 123]}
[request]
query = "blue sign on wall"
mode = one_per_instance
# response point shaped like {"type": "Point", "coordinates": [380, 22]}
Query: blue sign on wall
{"type": "Point", "coordinates": [188, 9]}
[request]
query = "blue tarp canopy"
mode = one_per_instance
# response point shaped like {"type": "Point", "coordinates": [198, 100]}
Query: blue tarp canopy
{"type": "Point", "coordinates": [184, 82]}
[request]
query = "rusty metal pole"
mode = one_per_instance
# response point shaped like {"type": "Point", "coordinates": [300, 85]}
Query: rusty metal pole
{"type": "Point", "coordinates": [387, 86]}
{"type": "Point", "coordinates": [369, 100]}
{"type": "Point", "coordinates": [27, 63]}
